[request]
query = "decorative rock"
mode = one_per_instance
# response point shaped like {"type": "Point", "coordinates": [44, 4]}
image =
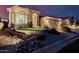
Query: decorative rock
{"type": "Point", "coordinates": [6, 40]}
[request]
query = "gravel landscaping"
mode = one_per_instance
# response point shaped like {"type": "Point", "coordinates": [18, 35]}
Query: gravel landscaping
{"type": "Point", "coordinates": [6, 40]}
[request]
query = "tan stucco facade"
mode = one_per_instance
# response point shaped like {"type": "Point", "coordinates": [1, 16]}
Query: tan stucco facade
{"type": "Point", "coordinates": [29, 15]}
{"type": "Point", "coordinates": [49, 22]}
{"type": "Point", "coordinates": [52, 22]}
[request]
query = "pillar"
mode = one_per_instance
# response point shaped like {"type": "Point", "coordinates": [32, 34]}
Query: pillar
{"type": "Point", "coordinates": [35, 20]}
{"type": "Point", "coordinates": [9, 24]}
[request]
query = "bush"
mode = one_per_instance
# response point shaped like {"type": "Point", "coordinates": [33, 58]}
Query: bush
{"type": "Point", "coordinates": [53, 31]}
{"type": "Point", "coordinates": [66, 29]}
{"type": "Point", "coordinates": [46, 27]}
{"type": "Point", "coordinates": [41, 37]}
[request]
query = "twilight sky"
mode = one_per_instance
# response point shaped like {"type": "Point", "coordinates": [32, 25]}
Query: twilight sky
{"type": "Point", "coordinates": [52, 10]}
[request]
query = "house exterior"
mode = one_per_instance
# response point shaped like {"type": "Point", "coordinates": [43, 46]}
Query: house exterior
{"type": "Point", "coordinates": [21, 17]}
{"type": "Point", "coordinates": [49, 22]}
{"type": "Point", "coordinates": [24, 17]}
{"type": "Point", "coordinates": [53, 22]}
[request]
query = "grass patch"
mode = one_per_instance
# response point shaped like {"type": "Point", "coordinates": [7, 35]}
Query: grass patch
{"type": "Point", "coordinates": [32, 29]}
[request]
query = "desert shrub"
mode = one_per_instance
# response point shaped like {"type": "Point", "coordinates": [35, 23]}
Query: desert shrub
{"type": "Point", "coordinates": [41, 37]}
{"type": "Point", "coordinates": [53, 31]}
{"type": "Point", "coordinates": [46, 27]}
{"type": "Point", "coordinates": [66, 29]}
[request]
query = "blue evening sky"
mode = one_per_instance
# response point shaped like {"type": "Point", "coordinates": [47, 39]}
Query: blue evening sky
{"type": "Point", "coordinates": [52, 10]}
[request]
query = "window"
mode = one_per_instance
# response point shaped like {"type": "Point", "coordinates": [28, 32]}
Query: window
{"type": "Point", "coordinates": [21, 19]}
